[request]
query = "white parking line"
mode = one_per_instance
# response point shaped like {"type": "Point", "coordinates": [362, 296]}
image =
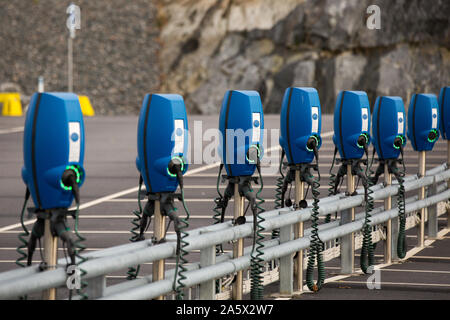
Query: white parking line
{"type": "Point", "coordinates": [187, 200]}
{"type": "Point", "coordinates": [416, 271]}
{"type": "Point", "coordinates": [431, 257]}
{"type": "Point", "coordinates": [147, 263]}
{"type": "Point", "coordinates": [11, 130]}
{"type": "Point", "coordinates": [397, 283]}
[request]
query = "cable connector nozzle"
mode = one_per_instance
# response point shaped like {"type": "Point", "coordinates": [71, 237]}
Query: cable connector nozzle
{"type": "Point", "coordinates": [175, 169]}
{"type": "Point", "coordinates": [69, 181]}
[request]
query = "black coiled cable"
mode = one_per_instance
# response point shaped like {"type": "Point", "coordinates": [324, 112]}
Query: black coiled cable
{"type": "Point", "coordinates": [316, 245]}
{"type": "Point", "coordinates": [256, 261]}
{"type": "Point", "coordinates": [367, 257]}
{"type": "Point", "coordinates": [23, 236]}
{"type": "Point", "coordinates": [279, 197]}
{"type": "Point", "coordinates": [180, 267]}
{"type": "Point", "coordinates": [401, 241]}
{"type": "Point", "coordinates": [219, 209]}
{"type": "Point", "coordinates": [332, 184]}
{"type": "Point", "coordinates": [79, 248]}
{"type": "Point", "coordinates": [133, 272]}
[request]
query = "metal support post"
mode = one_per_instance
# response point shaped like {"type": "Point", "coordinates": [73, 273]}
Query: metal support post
{"type": "Point", "coordinates": [238, 246]}
{"type": "Point", "coordinates": [387, 206]}
{"type": "Point", "coordinates": [286, 264]}
{"type": "Point", "coordinates": [421, 229]}
{"type": "Point", "coordinates": [208, 288]}
{"type": "Point", "coordinates": [70, 66]}
{"type": "Point", "coordinates": [432, 213]}
{"type": "Point", "coordinates": [159, 232]}
{"type": "Point", "coordinates": [348, 241]}
{"type": "Point", "coordinates": [299, 232]}
{"type": "Point", "coordinates": [50, 257]}
{"type": "Point", "coordinates": [96, 287]}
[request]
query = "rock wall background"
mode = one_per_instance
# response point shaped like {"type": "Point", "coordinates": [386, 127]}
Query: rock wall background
{"type": "Point", "coordinates": [201, 48]}
{"type": "Point", "coordinates": [270, 45]}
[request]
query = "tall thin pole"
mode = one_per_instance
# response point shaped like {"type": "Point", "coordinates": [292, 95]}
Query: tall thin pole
{"type": "Point", "coordinates": [50, 257]}
{"type": "Point", "coordinates": [299, 232]}
{"type": "Point", "coordinates": [159, 232]}
{"type": "Point", "coordinates": [238, 246]}
{"type": "Point", "coordinates": [70, 65]}
{"type": "Point", "coordinates": [388, 206]}
{"type": "Point", "coordinates": [348, 242]}
{"type": "Point", "coordinates": [421, 229]}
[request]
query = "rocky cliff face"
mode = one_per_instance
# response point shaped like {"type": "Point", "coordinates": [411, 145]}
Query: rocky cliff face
{"type": "Point", "coordinates": [201, 48]}
{"type": "Point", "coordinates": [211, 46]}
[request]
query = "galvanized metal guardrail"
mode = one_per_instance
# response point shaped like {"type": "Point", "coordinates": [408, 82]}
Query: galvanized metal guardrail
{"type": "Point", "coordinates": [204, 273]}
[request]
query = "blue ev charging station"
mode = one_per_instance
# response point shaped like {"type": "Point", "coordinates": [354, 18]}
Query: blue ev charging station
{"type": "Point", "coordinates": [162, 144]}
{"type": "Point", "coordinates": [53, 150]}
{"type": "Point", "coordinates": [444, 109]}
{"type": "Point", "coordinates": [300, 124]}
{"type": "Point", "coordinates": [389, 140]}
{"type": "Point", "coordinates": [351, 135]}
{"type": "Point", "coordinates": [423, 132]}
{"type": "Point", "coordinates": [241, 125]}
{"type": "Point", "coordinates": [423, 122]}
{"type": "Point", "coordinates": [352, 138]}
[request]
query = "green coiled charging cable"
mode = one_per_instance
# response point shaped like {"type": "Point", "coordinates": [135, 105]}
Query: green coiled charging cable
{"type": "Point", "coordinates": [316, 245]}
{"type": "Point", "coordinates": [367, 257]}
{"type": "Point", "coordinates": [23, 235]}
{"type": "Point", "coordinates": [256, 261]}
{"type": "Point", "coordinates": [133, 272]}
{"type": "Point", "coordinates": [180, 266]}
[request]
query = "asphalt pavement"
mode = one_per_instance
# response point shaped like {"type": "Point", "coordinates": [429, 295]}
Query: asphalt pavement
{"type": "Point", "coordinates": [109, 196]}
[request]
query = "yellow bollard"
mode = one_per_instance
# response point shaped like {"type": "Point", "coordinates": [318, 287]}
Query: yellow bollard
{"type": "Point", "coordinates": [2, 102]}
{"type": "Point", "coordinates": [12, 107]}
{"type": "Point", "coordinates": [86, 107]}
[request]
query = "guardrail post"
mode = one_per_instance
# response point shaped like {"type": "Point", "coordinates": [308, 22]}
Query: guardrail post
{"type": "Point", "coordinates": [238, 246]}
{"type": "Point", "coordinates": [159, 232]}
{"type": "Point", "coordinates": [387, 206]}
{"type": "Point", "coordinates": [299, 232]}
{"type": "Point", "coordinates": [421, 228]}
{"type": "Point", "coordinates": [96, 287]}
{"type": "Point", "coordinates": [50, 257]}
{"type": "Point", "coordinates": [432, 213]}
{"type": "Point", "coordinates": [348, 242]}
{"type": "Point", "coordinates": [208, 288]}
{"type": "Point", "coordinates": [286, 264]}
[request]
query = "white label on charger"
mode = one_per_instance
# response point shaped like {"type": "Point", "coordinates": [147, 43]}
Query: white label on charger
{"type": "Point", "coordinates": [434, 118]}
{"type": "Point", "coordinates": [179, 136]}
{"type": "Point", "coordinates": [256, 124]}
{"type": "Point", "coordinates": [365, 119]}
{"type": "Point", "coordinates": [400, 122]}
{"type": "Point", "coordinates": [315, 119]}
{"type": "Point", "coordinates": [74, 142]}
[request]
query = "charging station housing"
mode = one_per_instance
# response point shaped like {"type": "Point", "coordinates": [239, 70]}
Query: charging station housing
{"type": "Point", "coordinates": [53, 143]}
{"type": "Point", "coordinates": [241, 125]}
{"type": "Point", "coordinates": [423, 121]}
{"type": "Point", "coordinates": [444, 108]}
{"type": "Point", "coordinates": [351, 120]}
{"type": "Point", "coordinates": [300, 120]}
{"type": "Point", "coordinates": [388, 123]}
{"type": "Point", "coordinates": [162, 135]}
